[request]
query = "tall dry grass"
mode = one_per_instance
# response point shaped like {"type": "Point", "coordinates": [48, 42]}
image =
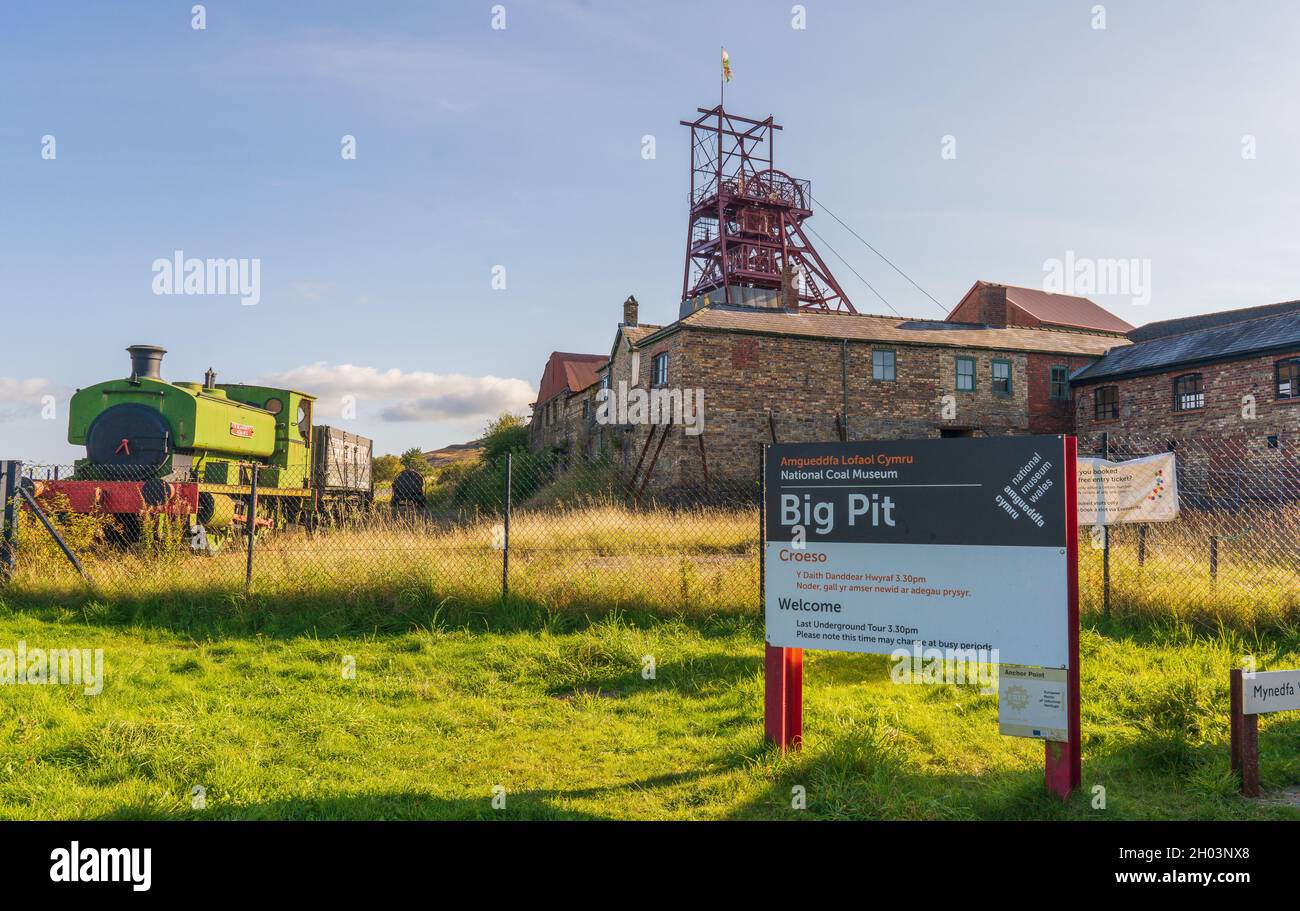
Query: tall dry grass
{"type": "Point", "coordinates": [601, 558]}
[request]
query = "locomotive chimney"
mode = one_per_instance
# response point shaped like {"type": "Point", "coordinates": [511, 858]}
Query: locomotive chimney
{"type": "Point", "coordinates": [145, 361]}
{"type": "Point", "coordinates": [210, 379]}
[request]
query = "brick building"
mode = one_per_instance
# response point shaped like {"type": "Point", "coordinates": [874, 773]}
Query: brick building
{"type": "Point", "coordinates": [999, 364]}
{"type": "Point", "coordinates": [1230, 379]}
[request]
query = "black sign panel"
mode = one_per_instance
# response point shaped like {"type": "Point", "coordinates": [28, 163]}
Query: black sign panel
{"type": "Point", "coordinates": [988, 491]}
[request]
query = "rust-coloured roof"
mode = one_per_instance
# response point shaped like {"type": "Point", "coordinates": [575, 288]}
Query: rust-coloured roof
{"type": "Point", "coordinates": [1058, 309]}
{"type": "Point", "coordinates": [1066, 310]}
{"type": "Point", "coordinates": [567, 372]}
{"type": "Point", "coordinates": [858, 327]}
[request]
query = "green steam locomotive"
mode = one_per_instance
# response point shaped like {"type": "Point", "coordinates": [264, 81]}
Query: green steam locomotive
{"type": "Point", "coordinates": [201, 449]}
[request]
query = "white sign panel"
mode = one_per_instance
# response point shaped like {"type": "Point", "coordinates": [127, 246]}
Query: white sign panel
{"type": "Point", "coordinates": [1032, 702]}
{"type": "Point", "coordinates": [1137, 490]}
{"type": "Point", "coordinates": [958, 544]}
{"type": "Point", "coordinates": [1270, 691]}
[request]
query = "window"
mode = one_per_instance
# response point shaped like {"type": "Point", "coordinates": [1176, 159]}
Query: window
{"type": "Point", "coordinates": [660, 370]}
{"type": "Point", "coordinates": [1002, 377]}
{"type": "Point", "coordinates": [1189, 392]}
{"type": "Point", "coordinates": [1288, 378]}
{"type": "Point", "coordinates": [1105, 403]}
{"type": "Point", "coordinates": [965, 374]}
{"type": "Point", "coordinates": [882, 365]}
{"type": "Point", "coordinates": [275, 406]}
{"type": "Point", "coordinates": [586, 409]}
{"type": "Point", "coordinates": [1060, 382]}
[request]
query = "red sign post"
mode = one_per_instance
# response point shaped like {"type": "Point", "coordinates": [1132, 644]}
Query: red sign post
{"type": "Point", "coordinates": [1064, 761]}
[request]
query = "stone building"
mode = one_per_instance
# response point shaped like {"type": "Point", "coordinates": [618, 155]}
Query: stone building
{"type": "Point", "coordinates": [999, 364]}
{"type": "Point", "coordinates": [1222, 388]}
{"type": "Point", "coordinates": [559, 415]}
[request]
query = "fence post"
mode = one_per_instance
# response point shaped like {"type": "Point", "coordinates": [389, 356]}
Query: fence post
{"type": "Point", "coordinates": [505, 545]}
{"type": "Point", "coordinates": [1244, 737]}
{"type": "Point", "coordinates": [762, 526]}
{"type": "Point", "coordinates": [10, 477]}
{"type": "Point", "coordinates": [1105, 542]}
{"type": "Point", "coordinates": [1214, 559]}
{"type": "Point", "coordinates": [250, 528]}
{"type": "Point", "coordinates": [1142, 545]}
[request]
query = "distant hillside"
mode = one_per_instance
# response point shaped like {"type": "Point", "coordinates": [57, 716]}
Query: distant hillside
{"type": "Point", "coordinates": [458, 452]}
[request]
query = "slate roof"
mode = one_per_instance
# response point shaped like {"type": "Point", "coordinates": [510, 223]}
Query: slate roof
{"type": "Point", "coordinates": [1208, 321]}
{"type": "Point", "coordinates": [891, 329]}
{"type": "Point", "coordinates": [1218, 343]}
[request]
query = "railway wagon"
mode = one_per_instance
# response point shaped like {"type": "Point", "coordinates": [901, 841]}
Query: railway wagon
{"type": "Point", "coordinates": [189, 449]}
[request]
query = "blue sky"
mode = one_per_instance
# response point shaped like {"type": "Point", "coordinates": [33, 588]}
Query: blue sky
{"type": "Point", "coordinates": [522, 147]}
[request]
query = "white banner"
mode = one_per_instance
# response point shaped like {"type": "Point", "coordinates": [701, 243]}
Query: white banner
{"type": "Point", "coordinates": [1138, 490]}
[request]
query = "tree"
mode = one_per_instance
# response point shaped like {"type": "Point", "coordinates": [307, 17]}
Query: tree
{"type": "Point", "coordinates": [414, 459]}
{"type": "Point", "coordinates": [505, 434]}
{"type": "Point", "coordinates": [385, 468]}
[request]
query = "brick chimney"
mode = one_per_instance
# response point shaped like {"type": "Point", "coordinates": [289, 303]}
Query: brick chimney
{"type": "Point", "coordinates": [629, 311]}
{"type": "Point", "coordinates": [993, 306]}
{"type": "Point", "coordinates": [789, 287]}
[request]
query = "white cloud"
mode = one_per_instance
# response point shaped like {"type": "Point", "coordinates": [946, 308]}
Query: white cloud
{"type": "Point", "coordinates": [410, 396]}
{"type": "Point", "coordinates": [23, 398]}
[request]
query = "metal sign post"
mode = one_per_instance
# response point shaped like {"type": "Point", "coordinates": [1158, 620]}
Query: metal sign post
{"type": "Point", "coordinates": [1064, 761]}
{"type": "Point", "coordinates": [1252, 695]}
{"type": "Point", "coordinates": [10, 475]}
{"type": "Point", "coordinates": [782, 667]}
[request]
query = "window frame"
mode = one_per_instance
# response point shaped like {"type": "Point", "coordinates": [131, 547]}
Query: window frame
{"type": "Point", "coordinates": [893, 365]}
{"type": "Point", "coordinates": [659, 365]}
{"type": "Point", "coordinates": [1097, 403]}
{"type": "Point", "coordinates": [993, 367]}
{"type": "Point", "coordinates": [1198, 395]}
{"type": "Point", "coordinates": [974, 369]}
{"type": "Point", "coordinates": [1294, 364]}
{"type": "Point", "coordinates": [1065, 383]}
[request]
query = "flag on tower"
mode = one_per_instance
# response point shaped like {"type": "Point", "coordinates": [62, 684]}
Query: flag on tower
{"type": "Point", "coordinates": [726, 65]}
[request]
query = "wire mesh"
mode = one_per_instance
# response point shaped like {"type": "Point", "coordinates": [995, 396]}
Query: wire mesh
{"type": "Point", "coordinates": [583, 535]}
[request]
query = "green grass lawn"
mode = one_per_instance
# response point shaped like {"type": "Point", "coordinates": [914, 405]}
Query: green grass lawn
{"type": "Point", "coordinates": [557, 712]}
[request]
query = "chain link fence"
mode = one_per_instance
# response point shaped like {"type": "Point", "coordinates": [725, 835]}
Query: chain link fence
{"type": "Point", "coordinates": [1233, 554]}
{"type": "Point", "coordinates": [566, 533]}
{"type": "Point", "coordinates": [570, 533]}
